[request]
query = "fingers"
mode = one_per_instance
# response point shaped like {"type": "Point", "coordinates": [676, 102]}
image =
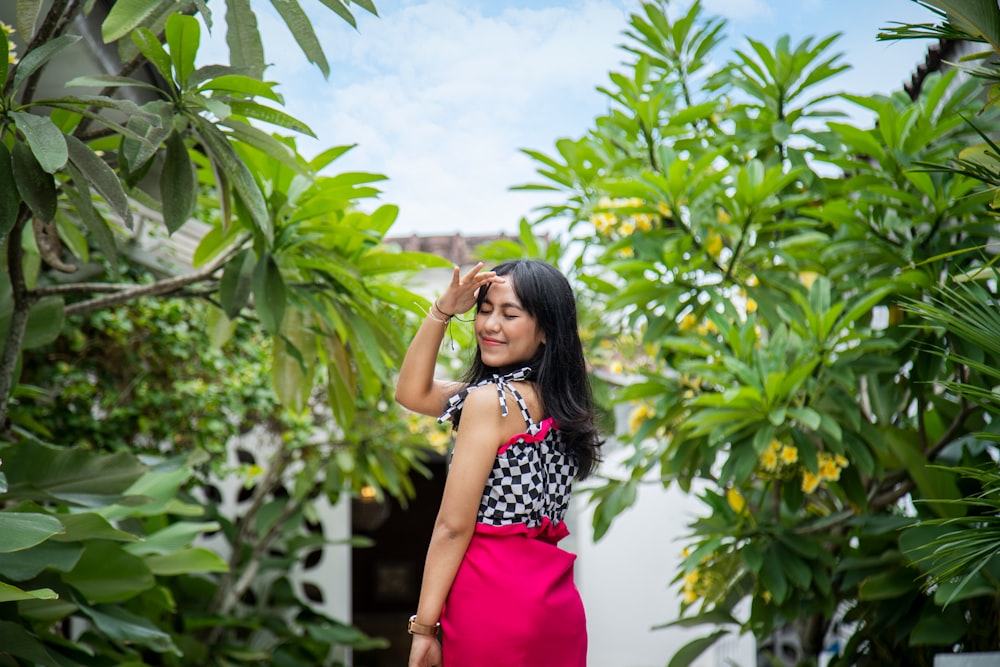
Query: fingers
{"type": "Point", "coordinates": [474, 277]}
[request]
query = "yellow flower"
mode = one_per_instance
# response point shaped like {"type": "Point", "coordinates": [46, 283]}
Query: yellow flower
{"type": "Point", "coordinates": [807, 278]}
{"type": "Point", "coordinates": [766, 596]}
{"type": "Point", "coordinates": [714, 244]}
{"type": "Point", "coordinates": [722, 216]}
{"type": "Point", "coordinates": [627, 252]}
{"type": "Point", "coordinates": [775, 445]}
{"type": "Point", "coordinates": [691, 578]}
{"type": "Point", "coordinates": [840, 460]}
{"type": "Point", "coordinates": [752, 281]}
{"type": "Point", "coordinates": [633, 202]}
{"type": "Point", "coordinates": [640, 414]}
{"type": "Point", "coordinates": [769, 460]}
{"type": "Point", "coordinates": [707, 327]}
{"type": "Point", "coordinates": [736, 500]}
{"type": "Point", "coordinates": [828, 469]}
{"type": "Point", "coordinates": [439, 439]}
{"type": "Point", "coordinates": [626, 228]}
{"type": "Point", "coordinates": [809, 481]}
{"type": "Point", "coordinates": [603, 222]}
{"type": "Point", "coordinates": [664, 210]}
{"type": "Point", "coordinates": [687, 322]}
{"type": "Point", "coordinates": [643, 221]}
{"type": "Point", "coordinates": [690, 596]}
{"type": "Point", "coordinates": [685, 552]}
{"type": "Point", "coordinates": [789, 454]}
{"type": "Point", "coordinates": [751, 305]}
{"type": "Point", "coordinates": [604, 202]}
{"type": "Point", "coordinates": [616, 367]}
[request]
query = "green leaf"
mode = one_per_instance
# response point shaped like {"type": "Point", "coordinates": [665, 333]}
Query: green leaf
{"type": "Point", "coordinates": [690, 652]}
{"type": "Point", "coordinates": [22, 530]}
{"type": "Point", "coordinates": [99, 230]}
{"type": "Point", "coordinates": [301, 28]}
{"type": "Point", "coordinates": [978, 18]}
{"type": "Point", "coordinates": [103, 178]}
{"type": "Point", "coordinates": [37, 57]}
{"type": "Point", "coordinates": [27, 16]}
{"type": "Point", "coordinates": [149, 45]}
{"type": "Point", "coordinates": [340, 10]}
{"type": "Point", "coordinates": [367, 5]}
{"type": "Point", "coordinates": [939, 627]}
{"type": "Point", "coordinates": [237, 83]}
{"type": "Point", "coordinates": [269, 294]}
{"type": "Point", "coordinates": [107, 573]}
{"type": "Point", "coordinates": [341, 382]}
{"type": "Point", "coordinates": [89, 526]}
{"type": "Point", "coordinates": [35, 185]}
{"type": "Point", "coordinates": [265, 143]}
{"type": "Point", "coordinates": [130, 629]}
{"type": "Point", "coordinates": [183, 35]}
{"type": "Point", "coordinates": [9, 593]}
{"type": "Point", "coordinates": [269, 115]}
{"type": "Point", "coordinates": [178, 184]}
{"type": "Point", "coordinates": [10, 201]}
{"type": "Point", "coordinates": [934, 484]}
{"type": "Point", "coordinates": [236, 170]}
{"type": "Point", "coordinates": [45, 321]}
{"type": "Point", "coordinates": [243, 37]}
{"type": "Point", "coordinates": [47, 141]}
{"type": "Point", "coordinates": [235, 286]}
{"type": "Point", "coordinates": [772, 576]}
{"type": "Point", "coordinates": [175, 537]}
{"type": "Point", "coordinates": [29, 563]}
{"type": "Point", "coordinates": [4, 62]}
{"type": "Point", "coordinates": [186, 561]}
{"type": "Point", "coordinates": [127, 15]}
{"type": "Point", "coordinates": [888, 585]}
{"type": "Point", "coordinates": [34, 470]}
{"type": "Point", "coordinates": [110, 80]}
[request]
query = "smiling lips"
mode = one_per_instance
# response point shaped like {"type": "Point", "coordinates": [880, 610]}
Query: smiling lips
{"type": "Point", "coordinates": [491, 341]}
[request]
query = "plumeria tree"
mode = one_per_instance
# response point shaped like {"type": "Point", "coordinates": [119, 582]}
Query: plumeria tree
{"type": "Point", "coordinates": [117, 404]}
{"type": "Point", "coordinates": [756, 253]}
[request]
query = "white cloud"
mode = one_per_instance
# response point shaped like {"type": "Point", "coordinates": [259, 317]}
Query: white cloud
{"type": "Point", "coordinates": [440, 98]}
{"type": "Point", "coordinates": [441, 94]}
{"type": "Point", "coordinates": [740, 10]}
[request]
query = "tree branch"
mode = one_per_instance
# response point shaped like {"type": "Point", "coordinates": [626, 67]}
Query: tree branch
{"type": "Point", "coordinates": [23, 300]}
{"type": "Point", "coordinates": [158, 288]}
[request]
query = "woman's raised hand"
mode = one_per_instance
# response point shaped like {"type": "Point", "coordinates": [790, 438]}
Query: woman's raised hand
{"type": "Point", "coordinates": [461, 293]}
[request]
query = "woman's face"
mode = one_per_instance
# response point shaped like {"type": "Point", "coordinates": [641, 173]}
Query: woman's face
{"type": "Point", "coordinates": [506, 333]}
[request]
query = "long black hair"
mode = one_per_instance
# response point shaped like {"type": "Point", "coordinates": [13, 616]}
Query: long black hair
{"type": "Point", "coordinates": [558, 368]}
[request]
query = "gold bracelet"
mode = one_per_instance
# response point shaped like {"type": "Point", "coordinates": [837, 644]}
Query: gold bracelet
{"type": "Point", "coordinates": [415, 628]}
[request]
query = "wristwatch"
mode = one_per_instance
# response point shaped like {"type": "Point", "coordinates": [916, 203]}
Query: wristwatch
{"type": "Point", "coordinates": [415, 628]}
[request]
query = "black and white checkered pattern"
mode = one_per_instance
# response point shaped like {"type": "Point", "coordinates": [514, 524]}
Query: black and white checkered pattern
{"type": "Point", "coordinates": [533, 477]}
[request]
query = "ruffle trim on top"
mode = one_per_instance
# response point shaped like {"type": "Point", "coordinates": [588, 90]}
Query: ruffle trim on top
{"type": "Point", "coordinates": [546, 531]}
{"type": "Point", "coordinates": [544, 427]}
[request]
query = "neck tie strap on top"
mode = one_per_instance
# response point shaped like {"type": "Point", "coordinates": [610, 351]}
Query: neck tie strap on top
{"type": "Point", "coordinates": [502, 383]}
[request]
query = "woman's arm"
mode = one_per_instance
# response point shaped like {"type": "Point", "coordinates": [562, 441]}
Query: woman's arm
{"type": "Point", "coordinates": [480, 435]}
{"type": "Point", "coordinates": [416, 389]}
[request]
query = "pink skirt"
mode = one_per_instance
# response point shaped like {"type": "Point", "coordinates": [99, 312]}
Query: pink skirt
{"type": "Point", "coordinates": [514, 603]}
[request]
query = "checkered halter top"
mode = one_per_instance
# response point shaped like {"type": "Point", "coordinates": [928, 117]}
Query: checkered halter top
{"type": "Point", "coordinates": [532, 475]}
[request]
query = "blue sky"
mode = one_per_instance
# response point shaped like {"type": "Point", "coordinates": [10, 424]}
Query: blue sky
{"type": "Point", "coordinates": [441, 95]}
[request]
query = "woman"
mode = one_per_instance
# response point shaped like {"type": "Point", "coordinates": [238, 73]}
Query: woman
{"type": "Point", "coordinates": [494, 582]}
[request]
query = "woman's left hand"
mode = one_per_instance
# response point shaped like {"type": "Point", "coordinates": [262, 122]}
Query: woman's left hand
{"type": "Point", "coordinates": [425, 651]}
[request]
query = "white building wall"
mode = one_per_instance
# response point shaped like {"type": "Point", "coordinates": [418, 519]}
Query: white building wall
{"type": "Point", "coordinates": [624, 580]}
